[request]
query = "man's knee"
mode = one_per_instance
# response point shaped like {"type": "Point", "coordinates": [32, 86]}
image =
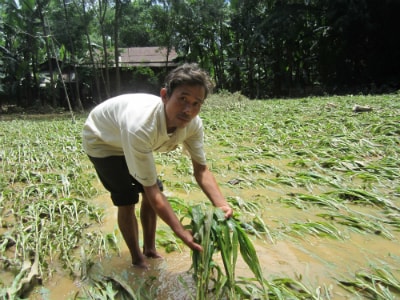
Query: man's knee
{"type": "Point", "coordinates": [126, 210]}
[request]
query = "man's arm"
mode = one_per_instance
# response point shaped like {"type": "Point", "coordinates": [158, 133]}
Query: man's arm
{"type": "Point", "coordinates": [208, 184]}
{"type": "Point", "coordinates": [164, 210]}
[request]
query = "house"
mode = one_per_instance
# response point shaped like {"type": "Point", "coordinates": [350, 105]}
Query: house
{"type": "Point", "coordinates": [153, 57]}
{"type": "Point", "coordinates": [141, 69]}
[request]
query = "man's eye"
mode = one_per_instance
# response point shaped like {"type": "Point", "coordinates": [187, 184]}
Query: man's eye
{"type": "Point", "coordinates": [195, 104]}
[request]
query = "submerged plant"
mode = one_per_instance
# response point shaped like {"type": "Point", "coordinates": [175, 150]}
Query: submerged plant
{"type": "Point", "coordinates": [360, 223]}
{"type": "Point", "coordinates": [321, 229]}
{"type": "Point", "coordinates": [374, 283]}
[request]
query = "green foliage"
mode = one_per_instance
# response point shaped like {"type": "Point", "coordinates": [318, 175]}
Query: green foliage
{"type": "Point", "coordinates": [227, 237]}
{"type": "Point", "coordinates": [43, 213]}
{"type": "Point", "coordinates": [144, 74]}
{"type": "Point", "coordinates": [260, 48]}
{"type": "Point", "coordinates": [375, 282]}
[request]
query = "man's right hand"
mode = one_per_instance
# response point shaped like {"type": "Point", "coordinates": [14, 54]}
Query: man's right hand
{"type": "Point", "coordinates": [163, 209]}
{"type": "Point", "coordinates": [188, 239]}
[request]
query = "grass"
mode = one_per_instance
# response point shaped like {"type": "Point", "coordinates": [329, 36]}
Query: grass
{"type": "Point", "coordinates": [294, 170]}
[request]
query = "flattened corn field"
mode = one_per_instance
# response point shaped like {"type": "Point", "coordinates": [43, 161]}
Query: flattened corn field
{"type": "Point", "coordinates": [315, 186]}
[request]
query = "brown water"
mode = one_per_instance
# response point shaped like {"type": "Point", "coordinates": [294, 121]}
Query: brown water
{"type": "Point", "coordinates": [317, 262]}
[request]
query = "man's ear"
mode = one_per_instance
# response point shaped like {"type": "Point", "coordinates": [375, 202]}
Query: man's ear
{"type": "Point", "coordinates": [163, 95]}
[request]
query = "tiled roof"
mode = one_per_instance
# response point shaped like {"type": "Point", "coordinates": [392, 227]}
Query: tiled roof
{"type": "Point", "coordinates": [146, 56]}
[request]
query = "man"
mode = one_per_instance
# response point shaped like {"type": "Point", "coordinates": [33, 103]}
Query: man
{"type": "Point", "coordinates": [120, 136]}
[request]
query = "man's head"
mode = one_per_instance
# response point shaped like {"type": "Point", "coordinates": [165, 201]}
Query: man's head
{"type": "Point", "coordinates": [185, 89]}
{"type": "Point", "coordinates": [188, 74]}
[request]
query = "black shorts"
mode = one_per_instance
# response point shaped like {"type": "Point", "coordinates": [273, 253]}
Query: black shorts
{"type": "Point", "coordinates": [114, 175]}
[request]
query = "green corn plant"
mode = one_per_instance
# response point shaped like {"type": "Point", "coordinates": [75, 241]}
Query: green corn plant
{"type": "Point", "coordinates": [226, 237]}
{"type": "Point", "coordinates": [287, 288]}
{"type": "Point", "coordinates": [392, 219]}
{"type": "Point", "coordinates": [360, 223]}
{"type": "Point", "coordinates": [375, 283]}
{"type": "Point", "coordinates": [167, 240]}
{"type": "Point", "coordinates": [303, 201]}
{"type": "Point", "coordinates": [363, 197]}
{"type": "Point", "coordinates": [321, 229]}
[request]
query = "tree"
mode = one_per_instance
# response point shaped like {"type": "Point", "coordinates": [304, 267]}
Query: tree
{"type": "Point", "coordinates": [191, 28]}
{"type": "Point", "coordinates": [100, 10]}
{"type": "Point", "coordinates": [260, 48]}
{"type": "Point", "coordinates": [21, 50]}
{"type": "Point", "coordinates": [74, 56]}
{"type": "Point", "coordinates": [86, 19]}
{"type": "Point", "coordinates": [360, 46]}
{"type": "Point", "coordinates": [163, 17]}
{"type": "Point", "coordinates": [117, 16]}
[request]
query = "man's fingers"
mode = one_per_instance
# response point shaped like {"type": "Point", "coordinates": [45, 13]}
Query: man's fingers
{"type": "Point", "coordinates": [227, 210]}
{"type": "Point", "coordinates": [188, 239]}
{"type": "Point", "coordinates": [196, 247]}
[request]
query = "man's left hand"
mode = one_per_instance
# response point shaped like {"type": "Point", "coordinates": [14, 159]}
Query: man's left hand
{"type": "Point", "coordinates": [227, 210]}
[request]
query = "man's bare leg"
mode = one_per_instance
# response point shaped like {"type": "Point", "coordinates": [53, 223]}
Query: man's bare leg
{"type": "Point", "coordinates": [148, 218]}
{"type": "Point", "coordinates": [128, 226]}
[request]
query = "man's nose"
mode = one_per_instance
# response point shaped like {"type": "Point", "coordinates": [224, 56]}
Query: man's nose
{"type": "Point", "coordinates": [188, 108]}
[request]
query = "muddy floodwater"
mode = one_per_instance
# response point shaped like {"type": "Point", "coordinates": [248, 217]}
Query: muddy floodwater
{"type": "Point", "coordinates": [316, 262]}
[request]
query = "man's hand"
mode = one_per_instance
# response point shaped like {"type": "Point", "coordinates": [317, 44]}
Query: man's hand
{"type": "Point", "coordinates": [163, 209]}
{"type": "Point", "coordinates": [187, 237]}
{"type": "Point", "coordinates": [227, 210]}
{"type": "Point", "coordinates": [210, 187]}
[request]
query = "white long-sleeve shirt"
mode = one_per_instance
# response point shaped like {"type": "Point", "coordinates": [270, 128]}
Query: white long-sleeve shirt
{"type": "Point", "coordinates": [134, 125]}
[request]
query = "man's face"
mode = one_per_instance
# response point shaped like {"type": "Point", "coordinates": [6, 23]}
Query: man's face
{"type": "Point", "coordinates": [183, 105]}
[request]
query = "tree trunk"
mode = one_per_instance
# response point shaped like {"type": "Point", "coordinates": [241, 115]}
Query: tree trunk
{"type": "Point", "coordinates": [78, 101]}
{"type": "Point", "coordinates": [102, 15]}
{"type": "Point", "coordinates": [93, 63]}
{"type": "Point", "coordinates": [48, 53]}
{"type": "Point", "coordinates": [116, 43]}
